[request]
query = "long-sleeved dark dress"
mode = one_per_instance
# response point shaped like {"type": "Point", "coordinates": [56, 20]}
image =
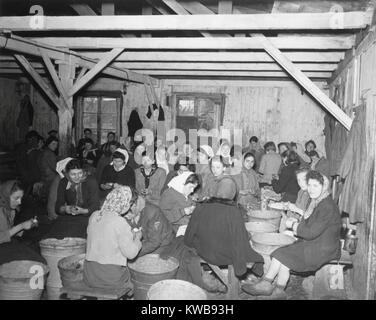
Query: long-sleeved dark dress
{"type": "Point", "coordinates": [74, 226]}
{"type": "Point", "coordinates": [287, 183]}
{"type": "Point", "coordinates": [319, 240]}
{"type": "Point", "coordinates": [125, 177]}
{"type": "Point", "coordinates": [217, 231]}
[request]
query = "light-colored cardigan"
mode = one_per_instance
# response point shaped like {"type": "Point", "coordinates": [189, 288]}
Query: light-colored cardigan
{"type": "Point", "coordinates": [110, 240]}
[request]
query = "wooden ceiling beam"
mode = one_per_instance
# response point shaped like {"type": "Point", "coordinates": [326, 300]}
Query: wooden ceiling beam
{"type": "Point", "coordinates": [25, 46]}
{"type": "Point", "coordinates": [187, 43]}
{"type": "Point", "coordinates": [207, 22]}
{"type": "Point", "coordinates": [261, 74]}
{"type": "Point", "coordinates": [178, 56]}
{"type": "Point", "coordinates": [248, 66]}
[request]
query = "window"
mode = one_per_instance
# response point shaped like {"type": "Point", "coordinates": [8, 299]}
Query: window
{"type": "Point", "coordinates": [100, 112]}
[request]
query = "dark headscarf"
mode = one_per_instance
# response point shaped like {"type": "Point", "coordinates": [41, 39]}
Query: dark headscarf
{"type": "Point", "coordinates": [226, 189]}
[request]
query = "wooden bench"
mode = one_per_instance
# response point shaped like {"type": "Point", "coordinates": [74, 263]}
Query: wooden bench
{"type": "Point", "coordinates": [231, 281]}
{"type": "Point", "coordinates": [80, 290]}
{"type": "Point", "coordinates": [321, 280]}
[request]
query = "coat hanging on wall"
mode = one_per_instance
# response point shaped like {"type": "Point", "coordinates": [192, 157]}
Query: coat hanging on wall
{"type": "Point", "coordinates": [149, 114]}
{"type": "Point", "coordinates": [161, 116]}
{"type": "Point", "coordinates": [134, 123]}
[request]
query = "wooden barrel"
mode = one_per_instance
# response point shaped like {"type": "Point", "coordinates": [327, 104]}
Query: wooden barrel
{"type": "Point", "coordinates": [271, 216]}
{"type": "Point", "coordinates": [71, 269]}
{"type": "Point", "coordinates": [175, 290]}
{"type": "Point", "coordinates": [149, 269]}
{"type": "Point", "coordinates": [22, 280]}
{"type": "Point", "coordinates": [54, 250]}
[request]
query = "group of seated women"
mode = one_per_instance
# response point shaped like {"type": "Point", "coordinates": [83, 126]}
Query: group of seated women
{"type": "Point", "coordinates": [192, 212]}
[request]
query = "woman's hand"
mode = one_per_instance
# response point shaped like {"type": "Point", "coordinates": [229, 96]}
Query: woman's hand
{"type": "Point", "coordinates": [244, 192]}
{"type": "Point", "coordinates": [289, 222]}
{"type": "Point", "coordinates": [107, 186]}
{"type": "Point", "coordinates": [189, 210]}
{"type": "Point", "coordinates": [69, 209]}
{"type": "Point", "coordinates": [28, 224]}
{"type": "Point", "coordinates": [79, 210]}
{"type": "Point", "coordinates": [292, 207]}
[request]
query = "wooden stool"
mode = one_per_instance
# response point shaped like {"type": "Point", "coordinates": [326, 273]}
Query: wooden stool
{"type": "Point", "coordinates": [321, 281]}
{"type": "Point", "coordinates": [231, 281]}
{"type": "Point", "coordinates": [80, 289]}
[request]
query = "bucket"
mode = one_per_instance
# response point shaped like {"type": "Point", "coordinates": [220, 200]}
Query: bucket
{"type": "Point", "coordinates": [54, 250]}
{"type": "Point", "coordinates": [149, 269]}
{"type": "Point", "coordinates": [22, 280]}
{"type": "Point", "coordinates": [71, 269]}
{"type": "Point", "coordinates": [260, 227]}
{"type": "Point", "coordinates": [266, 243]}
{"type": "Point", "coordinates": [175, 290]}
{"type": "Point", "coordinates": [271, 216]}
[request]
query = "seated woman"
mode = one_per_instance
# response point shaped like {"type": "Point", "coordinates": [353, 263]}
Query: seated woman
{"type": "Point", "coordinates": [310, 149]}
{"type": "Point", "coordinates": [106, 159]}
{"type": "Point", "coordinates": [52, 194]}
{"type": "Point", "coordinates": [11, 195]}
{"type": "Point", "coordinates": [157, 232]}
{"type": "Point", "coordinates": [204, 154]}
{"type": "Point", "coordinates": [218, 170]}
{"type": "Point", "coordinates": [319, 242]}
{"type": "Point", "coordinates": [150, 179]}
{"type": "Point", "coordinates": [248, 182]}
{"type": "Point", "coordinates": [77, 198]}
{"type": "Point", "coordinates": [287, 184]}
{"type": "Point", "coordinates": [110, 243]}
{"type": "Point", "coordinates": [117, 173]}
{"type": "Point", "coordinates": [183, 164]}
{"type": "Point", "coordinates": [161, 159]}
{"type": "Point", "coordinates": [217, 231]}
{"type": "Point", "coordinates": [47, 165]}
{"type": "Point", "coordinates": [89, 156]}
{"type": "Point", "coordinates": [224, 151]}
{"type": "Point", "coordinates": [175, 202]}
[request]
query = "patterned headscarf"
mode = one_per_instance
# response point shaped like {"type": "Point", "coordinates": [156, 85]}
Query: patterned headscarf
{"type": "Point", "coordinates": [118, 201]}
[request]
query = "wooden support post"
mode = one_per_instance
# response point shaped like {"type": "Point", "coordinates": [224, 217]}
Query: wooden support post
{"type": "Point", "coordinates": [55, 78]}
{"type": "Point", "coordinates": [39, 81]}
{"type": "Point", "coordinates": [67, 74]}
{"type": "Point", "coordinates": [304, 81]}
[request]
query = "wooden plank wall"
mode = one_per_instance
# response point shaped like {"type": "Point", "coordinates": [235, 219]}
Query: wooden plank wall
{"type": "Point", "coordinates": [45, 118]}
{"type": "Point", "coordinates": [354, 92]}
{"type": "Point", "coordinates": [273, 111]}
{"type": "Point", "coordinates": [9, 109]}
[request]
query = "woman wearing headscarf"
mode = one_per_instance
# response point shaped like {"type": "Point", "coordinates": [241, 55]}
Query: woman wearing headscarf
{"type": "Point", "coordinates": [161, 158]}
{"type": "Point", "coordinates": [117, 173]}
{"type": "Point", "coordinates": [318, 242]}
{"type": "Point", "coordinates": [218, 172]}
{"type": "Point", "coordinates": [52, 194]}
{"type": "Point", "coordinates": [175, 202]}
{"type": "Point", "coordinates": [77, 198]}
{"type": "Point", "coordinates": [217, 231]}
{"type": "Point", "coordinates": [248, 181]}
{"type": "Point", "coordinates": [110, 243]}
{"type": "Point", "coordinates": [225, 152]}
{"type": "Point", "coordinates": [11, 195]}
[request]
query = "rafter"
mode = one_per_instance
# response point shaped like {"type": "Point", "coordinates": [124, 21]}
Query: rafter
{"type": "Point", "coordinates": [207, 22]}
{"type": "Point", "coordinates": [287, 42]}
{"type": "Point", "coordinates": [304, 81]}
{"type": "Point", "coordinates": [39, 80]}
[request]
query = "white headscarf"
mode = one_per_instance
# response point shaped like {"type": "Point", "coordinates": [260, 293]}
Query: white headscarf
{"type": "Point", "coordinates": [178, 182]}
{"type": "Point", "coordinates": [123, 152]}
{"type": "Point", "coordinates": [161, 162]}
{"type": "Point", "coordinates": [60, 166]}
{"type": "Point", "coordinates": [208, 149]}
